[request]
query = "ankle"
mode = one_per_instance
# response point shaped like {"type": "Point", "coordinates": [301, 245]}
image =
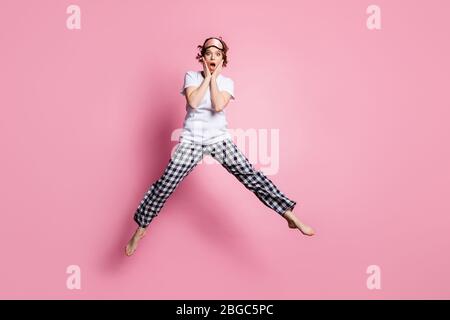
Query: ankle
{"type": "Point", "coordinates": [140, 231]}
{"type": "Point", "coordinates": [288, 214]}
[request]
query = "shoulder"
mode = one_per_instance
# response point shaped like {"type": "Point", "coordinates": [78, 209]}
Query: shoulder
{"type": "Point", "coordinates": [192, 73]}
{"type": "Point", "coordinates": [193, 76]}
{"type": "Point", "coordinates": [227, 80]}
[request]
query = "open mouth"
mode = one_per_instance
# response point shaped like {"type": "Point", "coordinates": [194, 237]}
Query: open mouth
{"type": "Point", "coordinates": [212, 64]}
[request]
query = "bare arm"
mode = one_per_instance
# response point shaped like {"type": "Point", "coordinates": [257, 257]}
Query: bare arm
{"type": "Point", "coordinates": [219, 99]}
{"type": "Point", "coordinates": [194, 95]}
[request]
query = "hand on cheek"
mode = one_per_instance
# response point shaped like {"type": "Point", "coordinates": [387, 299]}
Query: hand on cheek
{"type": "Point", "coordinates": [218, 69]}
{"type": "Point", "coordinates": [205, 68]}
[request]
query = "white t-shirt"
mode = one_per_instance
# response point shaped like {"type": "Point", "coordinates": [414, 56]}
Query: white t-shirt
{"type": "Point", "coordinates": [203, 124]}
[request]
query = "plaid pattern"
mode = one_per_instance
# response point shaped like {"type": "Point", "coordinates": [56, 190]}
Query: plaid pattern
{"type": "Point", "coordinates": [186, 157]}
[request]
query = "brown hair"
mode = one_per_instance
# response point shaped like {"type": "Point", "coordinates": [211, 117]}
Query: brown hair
{"type": "Point", "coordinates": [203, 50]}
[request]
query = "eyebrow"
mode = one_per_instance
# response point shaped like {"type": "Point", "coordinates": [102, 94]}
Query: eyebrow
{"type": "Point", "coordinates": [207, 50]}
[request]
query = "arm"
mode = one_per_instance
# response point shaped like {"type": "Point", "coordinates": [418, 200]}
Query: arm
{"type": "Point", "coordinates": [219, 99]}
{"type": "Point", "coordinates": [195, 94]}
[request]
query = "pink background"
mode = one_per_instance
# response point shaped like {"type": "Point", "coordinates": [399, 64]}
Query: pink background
{"type": "Point", "coordinates": [364, 148]}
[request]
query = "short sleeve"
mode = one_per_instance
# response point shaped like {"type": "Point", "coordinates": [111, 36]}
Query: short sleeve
{"type": "Point", "coordinates": [189, 80]}
{"type": "Point", "coordinates": [228, 86]}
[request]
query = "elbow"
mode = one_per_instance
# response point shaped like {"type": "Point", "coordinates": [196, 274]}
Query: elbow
{"type": "Point", "coordinates": [192, 103]}
{"type": "Point", "coordinates": [220, 105]}
{"type": "Point", "coordinates": [218, 108]}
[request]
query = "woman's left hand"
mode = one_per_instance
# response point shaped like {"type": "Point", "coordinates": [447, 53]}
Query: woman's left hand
{"type": "Point", "coordinates": [217, 71]}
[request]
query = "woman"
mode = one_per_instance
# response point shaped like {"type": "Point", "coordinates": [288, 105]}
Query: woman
{"type": "Point", "coordinates": [205, 132]}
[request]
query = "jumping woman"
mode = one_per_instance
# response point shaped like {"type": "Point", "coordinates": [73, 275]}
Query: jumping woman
{"type": "Point", "coordinates": [205, 132]}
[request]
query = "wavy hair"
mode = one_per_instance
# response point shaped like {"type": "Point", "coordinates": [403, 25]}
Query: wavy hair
{"type": "Point", "coordinates": [202, 50]}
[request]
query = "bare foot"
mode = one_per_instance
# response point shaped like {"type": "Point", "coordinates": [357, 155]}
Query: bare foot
{"type": "Point", "coordinates": [132, 244]}
{"type": "Point", "coordinates": [294, 222]}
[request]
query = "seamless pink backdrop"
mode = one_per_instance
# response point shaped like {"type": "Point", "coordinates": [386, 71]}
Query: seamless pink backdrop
{"type": "Point", "coordinates": [85, 128]}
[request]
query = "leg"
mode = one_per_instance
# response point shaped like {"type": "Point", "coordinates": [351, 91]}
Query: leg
{"type": "Point", "coordinates": [183, 161]}
{"type": "Point", "coordinates": [236, 163]}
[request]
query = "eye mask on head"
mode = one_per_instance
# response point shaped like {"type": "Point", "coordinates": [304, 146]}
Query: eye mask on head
{"type": "Point", "coordinates": [213, 43]}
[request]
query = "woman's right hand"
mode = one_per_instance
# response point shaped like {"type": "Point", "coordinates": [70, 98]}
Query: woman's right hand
{"type": "Point", "coordinates": [206, 71]}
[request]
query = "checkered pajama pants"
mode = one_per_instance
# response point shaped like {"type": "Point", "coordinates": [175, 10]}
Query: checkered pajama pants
{"type": "Point", "coordinates": [183, 161]}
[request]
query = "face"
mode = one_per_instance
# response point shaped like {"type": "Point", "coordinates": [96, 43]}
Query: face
{"type": "Point", "coordinates": [213, 56]}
